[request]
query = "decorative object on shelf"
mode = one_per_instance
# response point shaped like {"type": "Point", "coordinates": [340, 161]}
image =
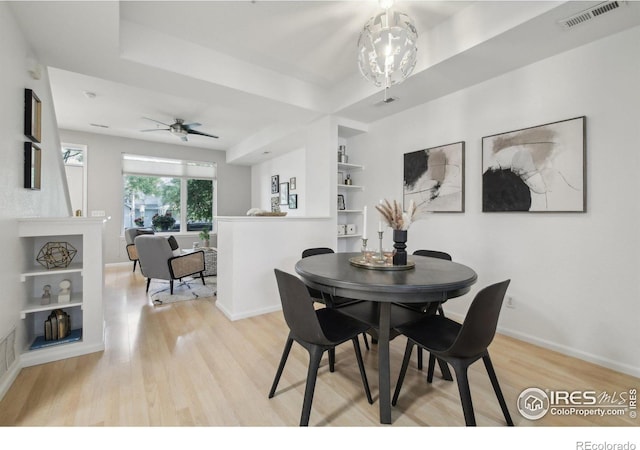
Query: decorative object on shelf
{"type": "Point", "coordinates": [434, 179]}
{"type": "Point", "coordinates": [342, 154]}
{"type": "Point", "coordinates": [32, 116]}
{"type": "Point", "coordinates": [57, 326]}
{"type": "Point", "coordinates": [348, 181]}
{"type": "Point", "coordinates": [536, 169]}
{"type": "Point", "coordinates": [387, 48]}
{"type": "Point", "coordinates": [163, 222]}
{"type": "Point", "coordinates": [340, 177]}
{"type": "Point", "coordinates": [293, 201]}
{"type": "Point", "coordinates": [399, 221]}
{"type": "Point", "coordinates": [284, 193]}
{"type": "Point", "coordinates": [56, 255]}
{"type": "Point", "coordinates": [342, 229]}
{"type": "Point", "coordinates": [46, 294]}
{"type": "Point", "coordinates": [204, 236]}
{"type": "Point", "coordinates": [292, 183]}
{"type": "Point", "coordinates": [64, 294]}
{"type": "Point", "coordinates": [139, 221]}
{"type": "Point", "coordinates": [341, 204]}
{"type": "Point", "coordinates": [275, 204]}
{"type": "Point", "coordinates": [351, 228]}
{"type": "Point", "coordinates": [270, 214]}
{"type": "Point", "coordinates": [275, 184]}
{"type": "Point", "coordinates": [32, 166]}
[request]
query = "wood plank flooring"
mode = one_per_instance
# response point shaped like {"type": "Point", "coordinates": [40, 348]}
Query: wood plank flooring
{"type": "Point", "coordinates": [186, 364]}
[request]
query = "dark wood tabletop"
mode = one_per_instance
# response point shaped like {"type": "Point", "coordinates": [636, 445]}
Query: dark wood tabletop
{"type": "Point", "coordinates": [430, 280]}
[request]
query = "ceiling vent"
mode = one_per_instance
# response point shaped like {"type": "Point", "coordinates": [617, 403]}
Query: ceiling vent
{"type": "Point", "coordinates": [591, 13]}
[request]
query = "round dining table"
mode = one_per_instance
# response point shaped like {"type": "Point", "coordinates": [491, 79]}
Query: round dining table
{"type": "Point", "coordinates": [428, 280]}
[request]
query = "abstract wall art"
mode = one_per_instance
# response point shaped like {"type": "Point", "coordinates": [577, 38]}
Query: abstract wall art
{"type": "Point", "coordinates": [536, 169]}
{"type": "Point", "coordinates": [434, 179]}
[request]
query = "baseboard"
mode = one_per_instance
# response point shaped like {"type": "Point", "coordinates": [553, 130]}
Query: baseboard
{"type": "Point", "coordinates": [9, 377]}
{"type": "Point", "coordinates": [565, 350]}
{"type": "Point", "coordinates": [245, 315]}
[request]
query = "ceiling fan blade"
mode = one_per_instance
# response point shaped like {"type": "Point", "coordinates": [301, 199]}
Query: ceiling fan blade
{"type": "Point", "coordinates": [194, 124]}
{"type": "Point", "coordinates": [157, 129]}
{"type": "Point", "coordinates": [157, 121]}
{"type": "Point", "coordinates": [201, 133]}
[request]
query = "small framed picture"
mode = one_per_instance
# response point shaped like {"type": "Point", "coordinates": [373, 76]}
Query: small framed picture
{"type": "Point", "coordinates": [292, 184]}
{"type": "Point", "coordinates": [341, 204]}
{"type": "Point", "coordinates": [293, 201]}
{"type": "Point", "coordinates": [32, 165]}
{"type": "Point", "coordinates": [284, 193]}
{"type": "Point", "coordinates": [275, 183]}
{"type": "Point", "coordinates": [275, 204]}
{"type": "Point", "coordinates": [32, 116]}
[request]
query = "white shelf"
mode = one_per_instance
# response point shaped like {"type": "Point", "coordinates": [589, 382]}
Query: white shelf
{"type": "Point", "coordinates": [33, 305]}
{"type": "Point", "coordinates": [350, 186]}
{"type": "Point", "coordinates": [39, 271]}
{"type": "Point", "coordinates": [349, 166]}
{"type": "Point", "coordinates": [345, 236]}
{"type": "Point", "coordinates": [349, 211]}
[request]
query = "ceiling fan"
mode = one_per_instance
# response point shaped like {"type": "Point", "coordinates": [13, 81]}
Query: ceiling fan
{"type": "Point", "coordinates": [180, 129]}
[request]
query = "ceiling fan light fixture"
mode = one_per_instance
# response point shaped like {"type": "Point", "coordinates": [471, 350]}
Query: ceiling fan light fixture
{"type": "Point", "coordinates": [387, 47]}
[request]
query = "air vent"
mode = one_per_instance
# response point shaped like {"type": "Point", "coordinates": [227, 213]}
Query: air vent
{"type": "Point", "coordinates": [591, 13]}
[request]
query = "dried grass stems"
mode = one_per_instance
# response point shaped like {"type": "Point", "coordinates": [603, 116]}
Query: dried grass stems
{"type": "Point", "coordinates": [395, 217]}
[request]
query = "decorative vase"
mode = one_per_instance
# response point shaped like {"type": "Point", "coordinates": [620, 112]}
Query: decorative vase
{"type": "Point", "coordinates": [206, 243]}
{"type": "Point", "coordinates": [400, 244]}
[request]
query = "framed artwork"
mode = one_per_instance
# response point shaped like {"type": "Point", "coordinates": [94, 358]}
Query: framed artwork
{"type": "Point", "coordinates": [275, 184]}
{"type": "Point", "coordinates": [341, 204]}
{"type": "Point", "coordinates": [292, 184]}
{"type": "Point", "coordinates": [434, 179]}
{"type": "Point", "coordinates": [32, 116]}
{"type": "Point", "coordinates": [536, 169]}
{"type": "Point", "coordinates": [275, 204]}
{"type": "Point", "coordinates": [293, 201]}
{"type": "Point", "coordinates": [32, 165]}
{"type": "Point", "coordinates": [284, 193]}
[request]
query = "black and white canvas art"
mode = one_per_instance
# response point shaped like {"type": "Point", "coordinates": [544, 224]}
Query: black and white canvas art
{"type": "Point", "coordinates": [434, 179]}
{"type": "Point", "coordinates": [536, 169]}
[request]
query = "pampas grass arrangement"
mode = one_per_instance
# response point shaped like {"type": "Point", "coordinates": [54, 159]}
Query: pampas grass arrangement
{"type": "Point", "coordinates": [395, 217]}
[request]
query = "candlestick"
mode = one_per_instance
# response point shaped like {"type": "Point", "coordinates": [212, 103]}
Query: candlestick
{"type": "Point", "coordinates": [364, 225]}
{"type": "Point", "coordinates": [364, 244]}
{"type": "Point", "coordinates": [380, 233]}
{"type": "Point", "coordinates": [380, 222]}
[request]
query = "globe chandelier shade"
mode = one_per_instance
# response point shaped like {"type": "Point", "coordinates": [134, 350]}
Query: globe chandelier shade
{"type": "Point", "coordinates": [387, 48]}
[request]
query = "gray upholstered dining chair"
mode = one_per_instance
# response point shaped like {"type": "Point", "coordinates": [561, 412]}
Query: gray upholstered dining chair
{"type": "Point", "coordinates": [161, 260]}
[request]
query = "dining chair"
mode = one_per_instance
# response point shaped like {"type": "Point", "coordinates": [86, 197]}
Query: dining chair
{"type": "Point", "coordinates": [422, 306]}
{"type": "Point", "coordinates": [330, 300]}
{"type": "Point", "coordinates": [460, 345]}
{"type": "Point", "coordinates": [317, 330]}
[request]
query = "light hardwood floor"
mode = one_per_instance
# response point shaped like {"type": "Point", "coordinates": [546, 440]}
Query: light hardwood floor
{"type": "Point", "coordinates": [186, 364]}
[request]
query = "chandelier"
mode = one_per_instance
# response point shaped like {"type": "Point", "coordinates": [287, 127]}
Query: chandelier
{"type": "Point", "coordinates": [387, 47]}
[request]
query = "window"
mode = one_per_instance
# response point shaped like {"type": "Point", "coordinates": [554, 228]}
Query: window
{"type": "Point", "coordinates": [168, 194]}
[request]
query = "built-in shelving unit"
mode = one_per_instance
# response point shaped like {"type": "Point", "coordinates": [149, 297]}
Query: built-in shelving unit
{"type": "Point", "coordinates": [87, 283]}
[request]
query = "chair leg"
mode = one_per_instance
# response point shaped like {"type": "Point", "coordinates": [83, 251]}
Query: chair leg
{"type": "Point", "coordinates": [419, 358]}
{"type": "Point", "coordinates": [148, 283]}
{"type": "Point", "coordinates": [134, 265]}
{"type": "Point", "coordinates": [496, 387]}
{"type": "Point", "coordinates": [332, 360]}
{"type": "Point", "coordinates": [432, 366]}
{"type": "Point", "coordinates": [171, 286]}
{"type": "Point", "coordinates": [366, 341]}
{"type": "Point", "coordinates": [465, 393]}
{"type": "Point", "coordinates": [283, 360]}
{"type": "Point", "coordinates": [363, 374]}
{"type": "Point", "coordinates": [403, 371]}
{"type": "Point", "coordinates": [202, 278]}
{"type": "Point", "coordinates": [315, 355]}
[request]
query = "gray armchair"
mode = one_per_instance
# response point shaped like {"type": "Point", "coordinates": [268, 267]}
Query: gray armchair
{"type": "Point", "coordinates": [130, 234]}
{"type": "Point", "coordinates": [157, 260]}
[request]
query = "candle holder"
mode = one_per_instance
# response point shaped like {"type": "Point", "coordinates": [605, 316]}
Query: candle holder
{"type": "Point", "coordinates": [380, 233]}
{"type": "Point", "coordinates": [364, 244]}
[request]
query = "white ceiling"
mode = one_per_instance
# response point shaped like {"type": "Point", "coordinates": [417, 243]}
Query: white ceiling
{"type": "Point", "coordinates": [254, 71]}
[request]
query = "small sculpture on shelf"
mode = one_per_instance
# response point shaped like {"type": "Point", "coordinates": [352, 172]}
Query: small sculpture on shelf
{"type": "Point", "coordinates": [46, 294]}
{"type": "Point", "coordinates": [56, 255]}
{"type": "Point", "coordinates": [64, 295]}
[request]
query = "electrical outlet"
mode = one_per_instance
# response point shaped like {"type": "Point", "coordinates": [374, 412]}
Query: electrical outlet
{"type": "Point", "coordinates": [511, 303]}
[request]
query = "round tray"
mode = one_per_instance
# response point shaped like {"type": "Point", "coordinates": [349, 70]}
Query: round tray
{"type": "Point", "coordinates": [376, 264]}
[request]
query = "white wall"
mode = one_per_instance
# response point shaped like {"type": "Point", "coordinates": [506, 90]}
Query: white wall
{"type": "Point", "coordinates": [15, 201]}
{"type": "Point", "coordinates": [574, 276]}
{"type": "Point", "coordinates": [289, 165]}
{"type": "Point", "coordinates": [105, 180]}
